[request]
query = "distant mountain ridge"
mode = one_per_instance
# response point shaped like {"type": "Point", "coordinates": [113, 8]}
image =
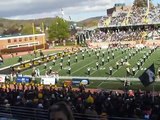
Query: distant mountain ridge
{"type": "Point", "coordinates": [90, 22]}
{"type": "Point", "coordinates": [10, 23]}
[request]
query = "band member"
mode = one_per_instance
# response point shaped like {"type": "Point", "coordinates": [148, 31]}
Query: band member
{"type": "Point", "coordinates": [138, 65]}
{"type": "Point", "coordinates": [20, 59]}
{"type": "Point", "coordinates": [122, 51]}
{"type": "Point", "coordinates": [141, 62]}
{"type": "Point", "coordinates": [126, 58]}
{"type": "Point", "coordinates": [144, 58]}
{"type": "Point", "coordinates": [61, 59]}
{"type": "Point", "coordinates": [97, 55]}
{"type": "Point", "coordinates": [69, 56]}
{"type": "Point", "coordinates": [112, 55]}
{"type": "Point", "coordinates": [76, 59]}
{"type": "Point", "coordinates": [117, 65]}
{"type": "Point", "coordinates": [102, 61]}
{"type": "Point", "coordinates": [76, 53]}
{"type": "Point", "coordinates": [126, 84]}
{"type": "Point", "coordinates": [47, 59]}
{"type": "Point", "coordinates": [110, 70]}
{"type": "Point", "coordinates": [50, 70]}
{"type": "Point", "coordinates": [97, 65]}
{"type": "Point", "coordinates": [122, 62]}
{"type": "Point", "coordinates": [159, 72]}
{"type": "Point", "coordinates": [130, 56]}
{"type": "Point", "coordinates": [108, 51]}
{"type": "Point", "coordinates": [55, 57]}
{"type": "Point", "coordinates": [103, 54]}
{"type": "Point", "coordinates": [61, 66]}
{"type": "Point", "coordinates": [63, 54]}
{"type": "Point", "coordinates": [128, 71]}
{"type": "Point", "coordinates": [108, 58]}
{"type": "Point", "coordinates": [45, 66]}
{"type": "Point", "coordinates": [133, 71]}
{"type": "Point", "coordinates": [89, 70]}
{"type": "Point", "coordinates": [83, 56]}
{"type": "Point", "coordinates": [39, 62]}
{"type": "Point", "coordinates": [95, 51]}
{"type": "Point", "coordinates": [41, 53]}
{"type": "Point", "coordinates": [53, 61]}
{"type": "Point", "coordinates": [69, 62]}
{"type": "Point", "coordinates": [1, 59]}
{"type": "Point", "coordinates": [69, 70]}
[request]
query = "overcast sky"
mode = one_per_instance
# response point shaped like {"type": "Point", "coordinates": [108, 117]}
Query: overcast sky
{"type": "Point", "coordinates": [77, 9]}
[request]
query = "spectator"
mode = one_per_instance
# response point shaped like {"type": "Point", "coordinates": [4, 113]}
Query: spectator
{"type": "Point", "coordinates": [60, 111]}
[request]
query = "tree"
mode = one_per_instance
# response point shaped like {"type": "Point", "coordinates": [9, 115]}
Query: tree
{"type": "Point", "coordinates": [12, 30]}
{"type": "Point", "coordinates": [142, 3]}
{"type": "Point", "coordinates": [27, 29]}
{"type": "Point", "coordinates": [59, 30]}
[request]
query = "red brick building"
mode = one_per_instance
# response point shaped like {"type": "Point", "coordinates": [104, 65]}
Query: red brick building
{"type": "Point", "coordinates": [21, 41]}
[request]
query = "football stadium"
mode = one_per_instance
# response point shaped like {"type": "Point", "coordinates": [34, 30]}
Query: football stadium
{"type": "Point", "coordinates": [62, 70]}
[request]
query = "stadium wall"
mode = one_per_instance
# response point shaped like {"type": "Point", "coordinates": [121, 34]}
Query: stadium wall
{"type": "Point", "coordinates": [24, 49]}
{"type": "Point", "coordinates": [131, 43]}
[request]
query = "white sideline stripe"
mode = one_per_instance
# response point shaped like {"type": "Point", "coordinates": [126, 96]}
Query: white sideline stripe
{"type": "Point", "coordinates": [92, 78]}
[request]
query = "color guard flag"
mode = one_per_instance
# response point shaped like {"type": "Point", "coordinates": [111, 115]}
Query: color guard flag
{"type": "Point", "coordinates": [148, 77]}
{"type": "Point", "coordinates": [62, 12]}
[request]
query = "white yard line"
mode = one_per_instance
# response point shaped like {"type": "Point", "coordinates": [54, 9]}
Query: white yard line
{"type": "Point", "coordinates": [121, 67]}
{"type": "Point", "coordinates": [52, 65]}
{"type": "Point", "coordinates": [143, 64]}
{"type": "Point", "coordinates": [83, 67]}
{"type": "Point", "coordinates": [100, 84]}
{"type": "Point", "coordinates": [107, 63]}
{"type": "Point", "coordinates": [73, 63]}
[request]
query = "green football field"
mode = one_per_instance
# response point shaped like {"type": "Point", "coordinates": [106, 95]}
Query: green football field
{"type": "Point", "coordinates": [80, 68]}
{"type": "Point", "coordinates": [11, 61]}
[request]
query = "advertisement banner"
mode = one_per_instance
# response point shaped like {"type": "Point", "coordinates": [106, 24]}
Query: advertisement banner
{"type": "Point", "coordinates": [23, 79]}
{"type": "Point", "coordinates": [2, 79]}
{"type": "Point", "coordinates": [68, 83]}
{"type": "Point", "coordinates": [76, 81]}
{"type": "Point", "coordinates": [48, 81]}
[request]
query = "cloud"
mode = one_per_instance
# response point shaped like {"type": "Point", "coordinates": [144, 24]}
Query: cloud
{"type": "Point", "coordinates": [27, 9]}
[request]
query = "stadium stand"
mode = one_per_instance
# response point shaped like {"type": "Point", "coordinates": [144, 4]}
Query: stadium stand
{"type": "Point", "coordinates": [34, 103]}
{"type": "Point", "coordinates": [134, 16]}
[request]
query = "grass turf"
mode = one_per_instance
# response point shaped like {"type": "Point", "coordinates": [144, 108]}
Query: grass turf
{"type": "Point", "coordinates": [80, 68]}
{"type": "Point", "coordinates": [11, 61]}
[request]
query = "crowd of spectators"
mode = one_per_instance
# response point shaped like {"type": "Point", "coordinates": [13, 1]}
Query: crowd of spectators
{"type": "Point", "coordinates": [132, 104]}
{"type": "Point", "coordinates": [129, 35]}
{"type": "Point", "coordinates": [118, 18]}
{"type": "Point", "coordinates": [134, 16]}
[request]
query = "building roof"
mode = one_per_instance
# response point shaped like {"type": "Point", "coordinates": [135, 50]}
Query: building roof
{"type": "Point", "coordinates": [4, 37]}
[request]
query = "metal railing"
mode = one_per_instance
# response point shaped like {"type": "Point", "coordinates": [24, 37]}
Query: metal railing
{"type": "Point", "coordinates": [22, 113]}
{"type": "Point", "coordinates": [25, 113]}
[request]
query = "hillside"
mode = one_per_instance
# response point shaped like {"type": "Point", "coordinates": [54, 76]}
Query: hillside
{"type": "Point", "coordinates": [90, 22]}
{"type": "Point", "coordinates": [6, 24]}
